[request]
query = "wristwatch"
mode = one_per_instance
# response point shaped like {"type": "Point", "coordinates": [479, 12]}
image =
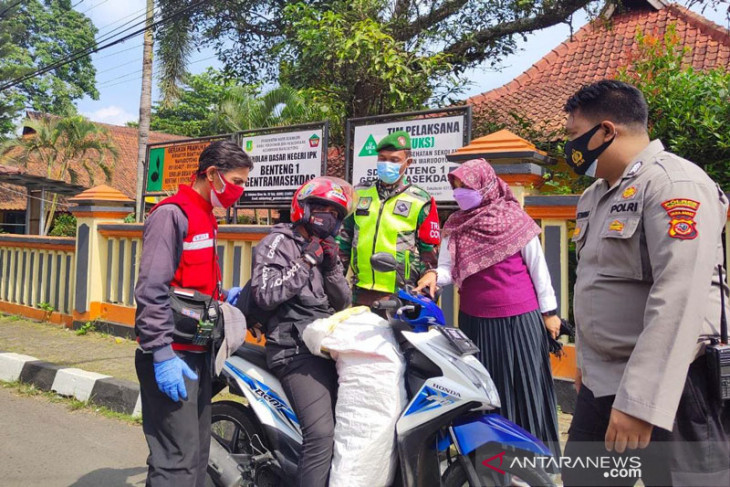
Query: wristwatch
{"type": "Point", "coordinates": [552, 312]}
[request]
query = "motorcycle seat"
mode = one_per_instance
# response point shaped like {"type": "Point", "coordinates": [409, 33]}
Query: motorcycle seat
{"type": "Point", "coordinates": [254, 354]}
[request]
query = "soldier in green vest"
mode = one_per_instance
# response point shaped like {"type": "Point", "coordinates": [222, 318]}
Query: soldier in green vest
{"type": "Point", "coordinates": [392, 216]}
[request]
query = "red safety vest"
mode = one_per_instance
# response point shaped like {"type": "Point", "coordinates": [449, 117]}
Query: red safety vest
{"type": "Point", "coordinates": [198, 268]}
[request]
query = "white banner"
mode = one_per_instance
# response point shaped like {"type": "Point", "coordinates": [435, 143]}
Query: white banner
{"type": "Point", "coordinates": [431, 140]}
{"type": "Point", "coordinates": [282, 162]}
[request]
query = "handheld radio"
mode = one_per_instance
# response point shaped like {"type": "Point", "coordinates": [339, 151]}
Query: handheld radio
{"type": "Point", "coordinates": [718, 353]}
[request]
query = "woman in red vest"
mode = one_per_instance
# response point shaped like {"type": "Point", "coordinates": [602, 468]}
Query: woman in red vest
{"type": "Point", "coordinates": [179, 250]}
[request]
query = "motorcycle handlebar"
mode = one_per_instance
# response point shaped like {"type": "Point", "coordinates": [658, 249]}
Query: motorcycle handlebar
{"type": "Point", "coordinates": [386, 304]}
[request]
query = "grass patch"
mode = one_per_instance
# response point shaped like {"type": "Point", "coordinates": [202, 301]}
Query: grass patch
{"type": "Point", "coordinates": [73, 404]}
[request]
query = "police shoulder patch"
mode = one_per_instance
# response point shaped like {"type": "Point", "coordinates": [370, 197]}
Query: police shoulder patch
{"type": "Point", "coordinates": [681, 212]}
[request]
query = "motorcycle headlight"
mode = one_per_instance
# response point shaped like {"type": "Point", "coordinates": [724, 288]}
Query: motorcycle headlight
{"type": "Point", "coordinates": [478, 375]}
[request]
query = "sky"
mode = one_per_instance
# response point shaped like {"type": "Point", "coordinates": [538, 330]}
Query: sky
{"type": "Point", "coordinates": [119, 68]}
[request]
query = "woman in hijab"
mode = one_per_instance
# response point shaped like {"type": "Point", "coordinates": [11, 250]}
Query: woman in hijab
{"type": "Point", "coordinates": [491, 250]}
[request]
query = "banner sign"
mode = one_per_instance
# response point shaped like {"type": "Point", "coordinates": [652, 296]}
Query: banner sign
{"type": "Point", "coordinates": [431, 139]}
{"type": "Point", "coordinates": [284, 158]}
{"type": "Point", "coordinates": [173, 163]}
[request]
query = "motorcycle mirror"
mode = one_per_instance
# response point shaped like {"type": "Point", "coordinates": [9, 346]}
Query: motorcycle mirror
{"type": "Point", "coordinates": [383, 262]}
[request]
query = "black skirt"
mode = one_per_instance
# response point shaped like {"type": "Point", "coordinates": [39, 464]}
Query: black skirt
{"type": "Point", "coordinates": [515, 352]}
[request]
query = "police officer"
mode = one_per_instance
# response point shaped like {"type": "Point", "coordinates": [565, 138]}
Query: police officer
{"type": "Point", "coordinates": [178, 250]}
{"type": "Point", "coordinates": [647, 295]}
{"type": "Point", "coordinates": [394, 217]}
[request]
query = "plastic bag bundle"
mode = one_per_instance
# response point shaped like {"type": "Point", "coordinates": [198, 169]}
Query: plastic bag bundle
{"type": "Point", "coordinates": [370, 398]}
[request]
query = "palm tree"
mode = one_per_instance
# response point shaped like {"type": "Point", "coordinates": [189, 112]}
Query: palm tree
{"type": "Point", "coordinates": [145, 109]}
{"type": "Point", "coordinates": [64, 146]}
{"type": "Point", "coordinates": [240, 109]}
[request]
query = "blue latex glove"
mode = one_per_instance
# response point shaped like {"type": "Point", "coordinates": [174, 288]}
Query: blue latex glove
{"type": "Point", "coordinates": [169, 377]}
{"type": "Point", "coordinates": [232, 296]}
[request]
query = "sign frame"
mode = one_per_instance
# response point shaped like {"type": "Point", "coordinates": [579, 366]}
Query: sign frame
{"type": "Point", "coordinates": [352, 123]}
{"type": "Point", "coordinates": [321, 125]}
{"type": "Point", "coordinates": [157, 145]}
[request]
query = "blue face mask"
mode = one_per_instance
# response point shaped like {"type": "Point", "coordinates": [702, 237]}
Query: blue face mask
{"type": "Point", "coordinates": [388, 172]}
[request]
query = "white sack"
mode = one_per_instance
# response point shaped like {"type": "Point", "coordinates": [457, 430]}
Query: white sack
{"type": "Point", "coordinates": [370, 398]}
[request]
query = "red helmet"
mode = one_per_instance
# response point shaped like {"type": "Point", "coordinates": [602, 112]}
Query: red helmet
{"type": "Point", "coordinates": [334, 192]}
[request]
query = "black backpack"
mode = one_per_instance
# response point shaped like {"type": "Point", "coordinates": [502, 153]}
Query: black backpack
{"type": "Point", "coordinates": [253, 312]}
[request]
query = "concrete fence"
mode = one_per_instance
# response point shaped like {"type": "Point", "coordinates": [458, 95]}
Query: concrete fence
{"type": "Point", "coordinates": [37, 272]}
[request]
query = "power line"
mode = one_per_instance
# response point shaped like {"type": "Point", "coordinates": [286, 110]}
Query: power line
{"type": "Point", "coordinates": [85, 52]}
{"type": "Point", "coordinates": [117, 52]}
{"type": "Point", "coordinates": [105, 83]}
{"type": "Point", "coordinates": [92, 8]}
{"type": "Point", "coordinates": [134, 61]}
{"type": "Point", "coordinates": [108, 35]}
{"type": "Point", "coordinates": [136, 15]}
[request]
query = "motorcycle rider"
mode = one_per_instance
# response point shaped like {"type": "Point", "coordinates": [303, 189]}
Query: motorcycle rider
{"type": "Point", "coordinates": [298, 274]}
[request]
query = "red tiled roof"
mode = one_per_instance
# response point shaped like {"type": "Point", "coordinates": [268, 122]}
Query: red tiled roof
{"type": "Point", "coordinates": [595, 52]}
{"type": "Point", "coordinates": [124, 172]}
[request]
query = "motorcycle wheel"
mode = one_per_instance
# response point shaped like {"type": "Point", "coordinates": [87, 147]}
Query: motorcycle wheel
{"type": "Point", "coordinates": [234, 428]}
{"type": "Point", "coordinates": [455, 476]}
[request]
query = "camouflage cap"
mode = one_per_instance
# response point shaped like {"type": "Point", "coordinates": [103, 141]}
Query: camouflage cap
{"type": "Point", "coordinates": [399, 140]}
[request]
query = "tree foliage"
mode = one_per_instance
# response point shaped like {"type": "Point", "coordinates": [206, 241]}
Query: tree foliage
{"type": "Point", "coordinates": [689, 110]}
{"type": "Point", "coordinates": [37, 33]}
{"type": "Point", "coordinates": [241, 108]}
{"type": "Point", "coordinates": [64, 146]}
{"type": "Point", "coordinates": [208, 105]}
{"type": "Point", "coordinates": [363, 57]}
{"type": "Point", "coordinates": [193, 112]}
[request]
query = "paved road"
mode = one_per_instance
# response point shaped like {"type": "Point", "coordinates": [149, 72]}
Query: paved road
{"type": "Point", "coordinates": [44, 443]}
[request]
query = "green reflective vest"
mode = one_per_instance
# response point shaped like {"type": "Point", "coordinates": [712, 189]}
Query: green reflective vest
{"type": "Point", "coordinates": [390, 226]}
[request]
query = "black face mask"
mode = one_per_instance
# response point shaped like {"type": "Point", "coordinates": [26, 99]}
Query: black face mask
{"type": "Point", "coordinates": [323, 224]}
{"type": "Point", "coordinates": [579, 157]}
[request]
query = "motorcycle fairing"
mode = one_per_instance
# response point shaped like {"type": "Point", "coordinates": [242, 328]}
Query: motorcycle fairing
{"type": "Point", "coordinates": [471, 433]}
{"type": "Point", "coordinates": [259, 392]}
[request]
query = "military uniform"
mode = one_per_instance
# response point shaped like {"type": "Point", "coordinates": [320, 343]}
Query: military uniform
{"type": "Point", "coordinates": [401, 220]}
{"type": "Point", "coordinates": [647, 291]}
{"type": "Point", "coordinates": [398, 221]}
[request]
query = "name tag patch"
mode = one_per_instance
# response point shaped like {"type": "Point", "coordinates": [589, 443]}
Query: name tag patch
{"type": "Point", "coordinates": [624, 207]}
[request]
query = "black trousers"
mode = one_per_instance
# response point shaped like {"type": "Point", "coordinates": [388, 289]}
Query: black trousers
{"type": "Point", "coordinates": [695, 452]}
{"type": "Point", "coordinates": [177, 433]}
{"type": "Point", "coordinates": [310, 383]}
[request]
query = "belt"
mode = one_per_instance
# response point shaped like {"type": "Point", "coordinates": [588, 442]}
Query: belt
{"type": "Point", "coordinates": [185, 347]}
{"type": "Point", "coordinates": [189, 347]}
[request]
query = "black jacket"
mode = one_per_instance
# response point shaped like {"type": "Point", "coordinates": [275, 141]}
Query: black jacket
{"type": "Point", "coordinates": [282, 281]}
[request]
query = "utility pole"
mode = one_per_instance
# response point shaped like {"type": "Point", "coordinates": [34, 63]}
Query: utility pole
{"type": "Point", "coordinates": [145, 109]}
